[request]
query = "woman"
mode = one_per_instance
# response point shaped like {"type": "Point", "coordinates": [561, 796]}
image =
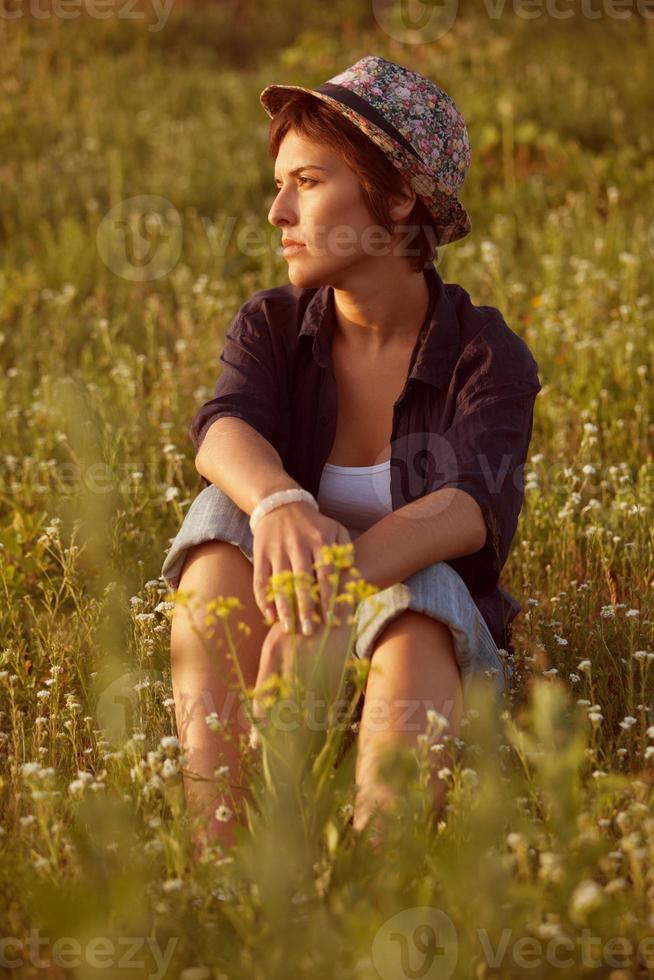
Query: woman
{"type": "Point", "coordinates": [366, 400]}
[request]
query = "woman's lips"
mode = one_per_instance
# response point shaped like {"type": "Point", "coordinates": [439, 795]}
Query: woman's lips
{"type": "Point", "coordinates": [292, 249]}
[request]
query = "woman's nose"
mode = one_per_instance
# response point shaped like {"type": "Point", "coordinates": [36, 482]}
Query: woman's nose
{"type": "Point", "coordinates": [281, 211]}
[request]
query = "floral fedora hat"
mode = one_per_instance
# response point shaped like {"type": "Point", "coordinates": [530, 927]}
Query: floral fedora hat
{"type": "Point", "coordinates": [413, 121]}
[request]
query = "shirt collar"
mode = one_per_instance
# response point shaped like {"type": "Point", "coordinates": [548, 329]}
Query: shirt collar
{"type": "Point", "coordinates": [437, 345]}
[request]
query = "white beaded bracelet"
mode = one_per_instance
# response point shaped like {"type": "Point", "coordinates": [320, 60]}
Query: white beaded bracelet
{"type": "Point", "coordinates": [276, 500]}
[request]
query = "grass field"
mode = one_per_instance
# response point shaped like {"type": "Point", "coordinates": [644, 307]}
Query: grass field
{"type": "Point", "coordinates": [543, 862]}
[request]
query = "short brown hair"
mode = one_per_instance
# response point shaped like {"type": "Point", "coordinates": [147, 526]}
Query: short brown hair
{"type": "Point", "coordinates": [315, 119]}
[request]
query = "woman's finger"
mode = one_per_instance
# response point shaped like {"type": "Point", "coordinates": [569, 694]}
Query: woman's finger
{"type": "Point", "coordinates": [304, 580]}
{"type": "Point", "coordinates": [284, 604]}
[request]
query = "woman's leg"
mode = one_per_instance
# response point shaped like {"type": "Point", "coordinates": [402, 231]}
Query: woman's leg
{"type": "Point", "coordinates": [413, 669]}
{"type": "Point", "coordinates": [204, 679]}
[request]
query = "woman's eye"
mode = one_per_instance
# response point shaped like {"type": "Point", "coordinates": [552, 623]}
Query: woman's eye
{"type": "Point", "coordinates": [304, 180]}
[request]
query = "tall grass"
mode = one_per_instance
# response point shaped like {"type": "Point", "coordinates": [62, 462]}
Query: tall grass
{"type": "Point", "coordinates": [547, 838]}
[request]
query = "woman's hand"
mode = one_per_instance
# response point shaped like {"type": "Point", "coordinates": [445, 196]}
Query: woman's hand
{"type": "Point", "coordinates": [291, 538]}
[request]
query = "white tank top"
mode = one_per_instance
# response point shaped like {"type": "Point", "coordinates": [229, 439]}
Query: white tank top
{"type": "Point", "coordinates": [356, 496]}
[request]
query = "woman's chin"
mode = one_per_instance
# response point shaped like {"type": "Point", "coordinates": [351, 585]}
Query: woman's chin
{"type": "Point", "coordinates": [300, 274]}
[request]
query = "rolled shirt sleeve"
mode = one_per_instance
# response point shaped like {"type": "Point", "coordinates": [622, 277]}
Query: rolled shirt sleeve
{"type": "Point", "coordinates": [247, 387]}
{"type": "Point", "coordinates": [484, 454]}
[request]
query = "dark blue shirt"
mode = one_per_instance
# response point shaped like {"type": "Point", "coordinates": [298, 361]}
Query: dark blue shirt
{"type": "Point", "coordinates": [464, 417]}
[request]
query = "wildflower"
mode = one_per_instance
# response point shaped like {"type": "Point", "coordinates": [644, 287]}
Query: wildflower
{"type": "Point", "coordinates": [222, 606]}
{"type": "Point", "coordinates": [171, 493]}
{"type": "Point", "coordinates": [574, 678]}
{"type": "Point", "coordinates": [551, 867]}
{"type": "Point", "coordinates": [169, 702]}
{"type": "Point", "coordinates": [212, 722]}
{"type": "Point", "coordinates": [596, 717]}
{"type": "Point", "coordinates": [469, 778]}
{"type": "Point", "coordinates": [640, 654]}
{"type": "Point", "coordinates": [649, 751]}
{"type": "Point", "coordinates": [436, 722]}
{"type": "Point", "coordinates": [28, 820]}
{"type": "Point", "coordinates": [561, 641]}
{"type": "Point", "coordinates": [444, 773]}
{"type": "Point", "coordinates": [632, 613]}
{"type": "Point", "coordinates": [223, 813]}
{"type": "Point", "coordinates": [549, 930]}
{"type": "Point", "coordinates": [29, 768]}
{"type": "Point", "coordinates": [488, 251]}
{"type": "Point", "coordinates": [628, 721]}
{"type": "Point", "coordinates": [549, 673]}
{"type": "Point", "coordinates": [172, 885]}
{"type": "Point", "coordinates": [144, 617]}
{"type": "Point", "coordinates": [516, 840]}
{"type": "Point", "coordinates": [587, 897]}
{"type": "Point", "coordinates": [169, 742]}
{"type": "Point", "coordinates": [196, 972]}
{"type": "Point", "coordinates": [584, 665]}
{"type": "Point", "coordinates": [169, 768]}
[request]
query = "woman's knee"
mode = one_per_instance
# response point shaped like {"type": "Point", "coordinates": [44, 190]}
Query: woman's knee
{"type": "Point", "coordinates": [212, 564]}
{"type": "Point", "coordinates": [211, 569]}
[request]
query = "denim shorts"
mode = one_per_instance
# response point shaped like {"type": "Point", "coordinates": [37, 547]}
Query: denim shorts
{"type": "Point", "coordinates": [436, 590]}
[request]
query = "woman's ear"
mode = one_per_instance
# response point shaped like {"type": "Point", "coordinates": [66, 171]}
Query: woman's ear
{"type": "Point", "coordinates": [401, 205]}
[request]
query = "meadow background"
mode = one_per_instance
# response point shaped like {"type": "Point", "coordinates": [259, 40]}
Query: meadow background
{"type": "Point", "coordinates": [548, 834]}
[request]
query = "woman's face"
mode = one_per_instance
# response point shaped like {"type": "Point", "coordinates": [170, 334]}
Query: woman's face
{"type": "Point", "coordinates": [322, 207]}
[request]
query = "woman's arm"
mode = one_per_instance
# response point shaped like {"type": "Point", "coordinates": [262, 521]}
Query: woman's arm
{"type": "Point", "coordinates": [239, 461]}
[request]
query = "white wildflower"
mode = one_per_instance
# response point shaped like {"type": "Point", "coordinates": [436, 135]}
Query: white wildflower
{"type": "Point", "coordinates": [587, 897]}
{"type": "Point", "coordinates": [29, 768]}
{"type": "Point", "coordinates": [172, 885]}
